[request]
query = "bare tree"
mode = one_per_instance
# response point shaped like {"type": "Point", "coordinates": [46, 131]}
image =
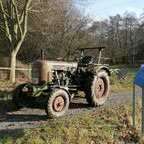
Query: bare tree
{"type": "Point", "coordinates": [15, 28]}
{"type": "Point", "coordinates": [59, 28]}
{"type": "Point", "coordinates": [130, 37]}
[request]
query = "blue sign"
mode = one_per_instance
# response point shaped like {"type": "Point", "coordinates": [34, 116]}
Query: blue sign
{"type": "Point", "coordinates": [139, 79]}
{"type": "Point", "coordinates": [142, 68]}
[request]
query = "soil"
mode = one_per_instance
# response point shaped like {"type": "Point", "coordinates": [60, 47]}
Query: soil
{"type": "Point", "coordinates": [13, 121]}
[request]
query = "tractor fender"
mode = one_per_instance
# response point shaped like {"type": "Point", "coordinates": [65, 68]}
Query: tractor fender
{"type": "Point", "coordinates": [67, 91]}
{"type": "Point", "coordinates": [98, 68]}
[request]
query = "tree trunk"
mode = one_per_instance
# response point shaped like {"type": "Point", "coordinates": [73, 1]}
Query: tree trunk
{"type": "Point", "coordinates": [12, 66]}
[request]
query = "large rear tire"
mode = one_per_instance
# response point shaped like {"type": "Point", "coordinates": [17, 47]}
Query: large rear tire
{"type": "Point", "coordinates": [22, 99]}
{"type": "Point", "coordinates": [97, 89]}
{"type": "Point", "coordinates": [57, 103]}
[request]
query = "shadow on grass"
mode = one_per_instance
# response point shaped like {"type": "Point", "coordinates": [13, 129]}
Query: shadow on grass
{"type": "Point", "coordinates": [12, 134]}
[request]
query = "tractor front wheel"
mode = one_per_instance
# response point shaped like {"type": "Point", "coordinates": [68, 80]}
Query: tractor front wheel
{"type": "Point", "coordinates": [57, 103]}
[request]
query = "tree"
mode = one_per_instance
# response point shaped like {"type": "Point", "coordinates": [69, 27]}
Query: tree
{"type": "Point", "coordinates": [58, 27]}
{"type": "Point", "coordinates": [14, 25]}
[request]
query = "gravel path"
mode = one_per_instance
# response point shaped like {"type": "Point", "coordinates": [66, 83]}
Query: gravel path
{"type": "Point", "coordinates": [12, 121]}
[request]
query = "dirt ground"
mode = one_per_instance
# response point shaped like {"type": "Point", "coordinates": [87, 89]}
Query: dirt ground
{"type": "Point", "coordinates": [13, 120]}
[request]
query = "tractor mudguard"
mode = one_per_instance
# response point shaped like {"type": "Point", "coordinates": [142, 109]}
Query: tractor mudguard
{"type": "Point", "coordinates": [68, 92]}
{"type": "Point", "coordinates": [98, 68]}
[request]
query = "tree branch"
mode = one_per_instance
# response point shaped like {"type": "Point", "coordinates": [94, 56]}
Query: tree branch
{"type": "Point", "coordinates": [27, 3]}
{"type": "Point", "coordinates": [7, 30]}
{"type": "Point", "coordinates": [2, 28]}
{"type": "Point", "coordinates": [17, 17]}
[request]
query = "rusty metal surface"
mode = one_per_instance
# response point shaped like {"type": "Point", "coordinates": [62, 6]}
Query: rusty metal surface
{"type": "Point", "coordinates": [42, 70]}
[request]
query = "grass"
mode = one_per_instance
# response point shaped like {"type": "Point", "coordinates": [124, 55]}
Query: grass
{"type": "Point", "coordinates": [110, 125]}
{"type": "Point", "coordinates": [123, 84]}
{"type": "Point", "coordinates": [6, 88]}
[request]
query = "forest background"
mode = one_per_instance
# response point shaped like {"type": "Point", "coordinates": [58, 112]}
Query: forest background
{"type": "Point", "coordinates": [59, 28]}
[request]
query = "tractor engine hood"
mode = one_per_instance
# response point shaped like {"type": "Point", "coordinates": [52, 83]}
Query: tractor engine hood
{"type": "Point", "coordinates": [42, 70]}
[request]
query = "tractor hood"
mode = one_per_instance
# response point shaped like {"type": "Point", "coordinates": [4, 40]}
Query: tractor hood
{"type": "Point", "coordinates": [42, 69]}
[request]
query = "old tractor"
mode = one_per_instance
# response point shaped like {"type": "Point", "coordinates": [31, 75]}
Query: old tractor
{"type": "Point", "coordinates": [59, 81]}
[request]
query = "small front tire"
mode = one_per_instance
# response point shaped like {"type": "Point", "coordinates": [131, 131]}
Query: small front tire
{"type": "Point", "coordinates": [57, 103]}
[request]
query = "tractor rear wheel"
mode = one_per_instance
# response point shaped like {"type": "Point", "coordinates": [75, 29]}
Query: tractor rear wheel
{"type": "Point", "coordinates": [22, 99]}
{"type": "Point", "coordinates": [57, 103]}
{"type": "Point", "coordinates": [97, 89]}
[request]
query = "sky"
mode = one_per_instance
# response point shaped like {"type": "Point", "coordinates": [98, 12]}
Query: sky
{"type": "Point", "coordinates": [101, 9]}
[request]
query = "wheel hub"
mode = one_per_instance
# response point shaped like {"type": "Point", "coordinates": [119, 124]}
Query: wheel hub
{"type": "Point", "coordinates": [58, 104]}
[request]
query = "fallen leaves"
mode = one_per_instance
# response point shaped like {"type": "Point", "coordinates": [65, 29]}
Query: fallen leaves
{"type": "Point", "coordinates": [130, 136]}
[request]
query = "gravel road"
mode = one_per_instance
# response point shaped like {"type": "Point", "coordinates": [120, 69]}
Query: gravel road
{"type": "Point", "coordinates": [13, 121]}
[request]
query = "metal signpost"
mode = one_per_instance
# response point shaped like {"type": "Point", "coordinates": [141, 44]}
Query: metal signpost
{"type": "Point", "coordinates": [134, 105]}
{"type": "Point", "coordinates": [139, 80]}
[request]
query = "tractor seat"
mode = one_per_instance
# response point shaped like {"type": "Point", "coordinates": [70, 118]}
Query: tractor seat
{"type": "Point", "coordinates": [86, 61]}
